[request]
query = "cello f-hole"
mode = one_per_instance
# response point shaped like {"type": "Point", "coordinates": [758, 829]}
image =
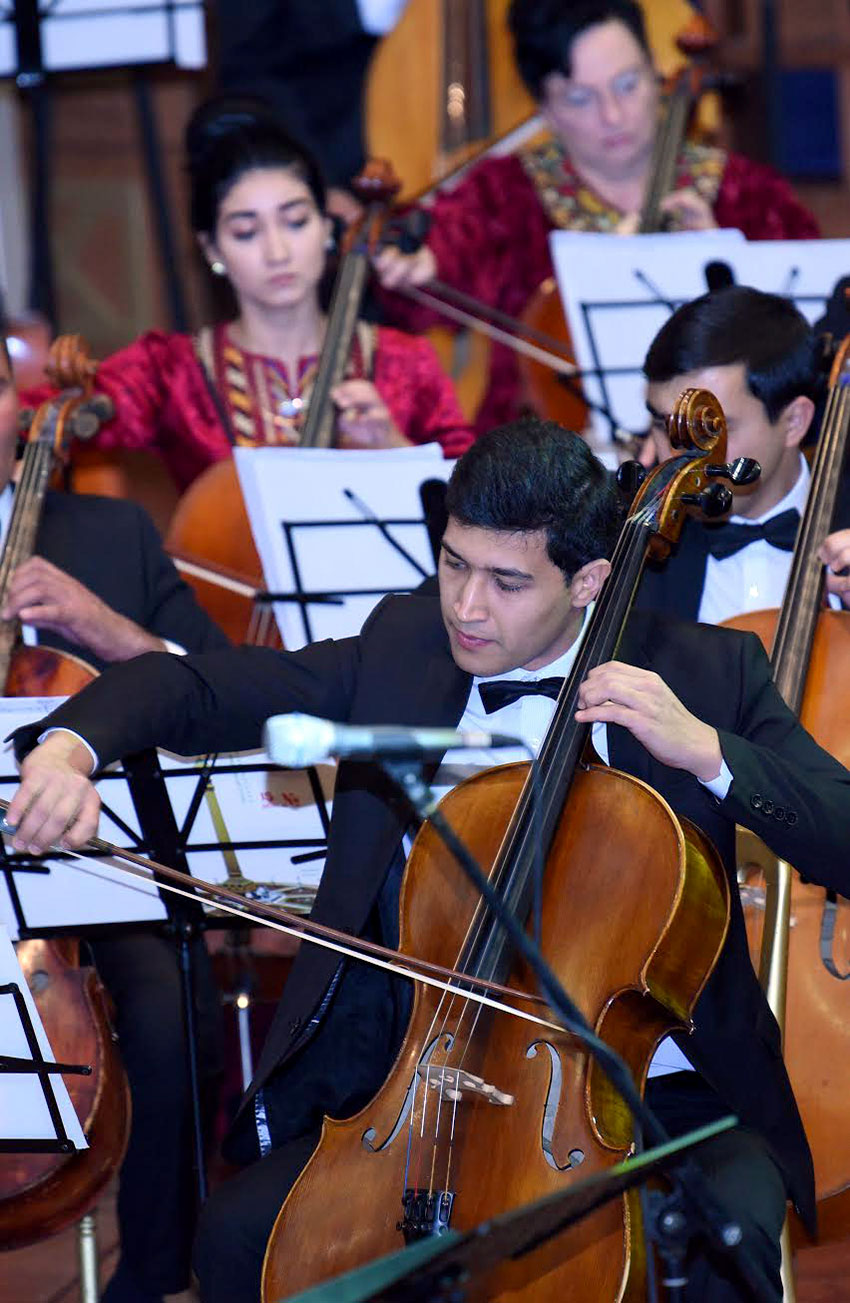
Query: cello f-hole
{"type": "Point", "coordinates": [407, 1109]}
{"type": "Point", "coordinates": [575, 1157]}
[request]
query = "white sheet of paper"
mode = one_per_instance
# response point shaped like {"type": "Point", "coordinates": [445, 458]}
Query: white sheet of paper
{"type": "Point", "coordinates": [258, 803]}
{"type": "Point", "coordinates": [313, 538]}
{"type": "Point", "coordinates": [619, 290]}
{"type": "Point", "coordinates": [111, 33]}
{"type": "Point", "coordinates": [73, 893]}
{"type": "Point", "coordinates": [23, 1111]}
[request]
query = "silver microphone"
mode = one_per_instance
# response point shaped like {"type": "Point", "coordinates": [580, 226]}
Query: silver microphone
{"type": "Point", "coordinates": [299, 740]}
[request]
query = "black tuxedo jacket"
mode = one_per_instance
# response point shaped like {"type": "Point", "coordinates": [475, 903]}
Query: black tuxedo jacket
{"type": "Point", "coordinates": [111, 546]}
{"type": "Point", "coordinates": [675, 585]}
{"type": "Point", "coordinates": [400, 670]}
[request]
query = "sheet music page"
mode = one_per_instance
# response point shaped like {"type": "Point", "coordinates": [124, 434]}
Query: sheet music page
{"type": "Point", "coordinates": [619, 290]}
{"type": "Point", "coordinates": [23, 1111]}
{"type": "Point", "coordinates": [346, 524]}
{"type": "Point", "coordinates": [71, 893]}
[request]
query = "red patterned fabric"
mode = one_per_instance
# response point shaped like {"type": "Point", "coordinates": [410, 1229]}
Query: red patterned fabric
{"type": "Point", "coordinates": [162, 402]}
{"type": "Point", "coordinates": [490, 238]}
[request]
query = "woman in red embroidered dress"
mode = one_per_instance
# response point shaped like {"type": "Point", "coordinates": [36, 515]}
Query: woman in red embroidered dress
{"type": "Point", "coordinates": [588, 65]}
{"type": "Point", "coordinates": [258, 209]}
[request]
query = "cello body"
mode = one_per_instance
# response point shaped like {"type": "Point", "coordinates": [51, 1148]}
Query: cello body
{"type": "Point", "coordinates": [817, 1028]}
{"type": "Point", "coordinates": [635, 957]}
{"type": "Point", "coordinates": [40, 1194]}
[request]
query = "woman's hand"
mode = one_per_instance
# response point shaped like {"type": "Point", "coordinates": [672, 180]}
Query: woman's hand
{"type": "Point", "coordinates": [397, 270]}
{"type": "Point", "coordinates": [364, 419]}
{"type": "Point", "coordinates": [691, 211]}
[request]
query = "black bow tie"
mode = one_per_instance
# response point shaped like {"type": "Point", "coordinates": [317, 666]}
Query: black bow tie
{"type": "Point", "coordinates": [780, 531]}
{"type": "Point", "coordinates": [503, 692]}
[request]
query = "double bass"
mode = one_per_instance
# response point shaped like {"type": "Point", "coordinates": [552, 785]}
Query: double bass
{"type": "Point", "coordinates": [481, 1114]}
{"type": "Point", "coordinates": [42, 1193]}
{"type": "Point", "coordinates": [795, 950]}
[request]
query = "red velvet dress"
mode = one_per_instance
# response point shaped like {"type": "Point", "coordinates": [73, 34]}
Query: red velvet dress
{"type": "Point", "coordinates": [165, 403]}
{"type": "Point", "coordinates": [490, 234]}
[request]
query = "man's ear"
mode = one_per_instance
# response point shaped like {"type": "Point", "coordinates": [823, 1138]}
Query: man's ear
{"type": "Point", "coordinates": [587, 582]}
{"type": "Point", "coordinates": [796, 419]}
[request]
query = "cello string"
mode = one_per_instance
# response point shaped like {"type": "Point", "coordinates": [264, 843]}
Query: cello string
{"type": "Point", "coordinates": [638, 518]}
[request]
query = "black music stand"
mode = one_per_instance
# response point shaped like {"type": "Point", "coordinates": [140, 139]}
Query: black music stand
{"type": "Point", "coordinates": [42, 30]}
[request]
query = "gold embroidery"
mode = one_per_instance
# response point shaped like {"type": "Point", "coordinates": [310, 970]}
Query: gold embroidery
{"type": "Point", "coordinates": [571, 205]}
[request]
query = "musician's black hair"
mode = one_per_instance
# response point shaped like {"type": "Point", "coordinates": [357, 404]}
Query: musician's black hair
{"type": "Point", "coordinates": [532, 475]}
{"type": "Point", "coordinates": [544, 31]}
{"type": "Point", "coordinates": [765, 332]}
{"type": "Point", "coordinates": [230, 135]}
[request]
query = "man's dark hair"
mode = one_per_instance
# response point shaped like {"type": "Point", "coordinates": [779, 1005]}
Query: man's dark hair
{"type": "Point", "coordinates": [534, 475]}
{"type": "Point", "coordinates": [766, 333]}
{"type": "Point", "coordinates": [544, 31]}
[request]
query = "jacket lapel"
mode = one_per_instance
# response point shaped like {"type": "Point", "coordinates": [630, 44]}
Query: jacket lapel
{"type": "Point", "coordinates": [675, 585]}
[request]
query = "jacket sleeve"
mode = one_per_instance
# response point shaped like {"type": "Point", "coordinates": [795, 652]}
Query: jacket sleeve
{"type": "Point", "coordinates": [785, 787]}
{"type": "Point", "coordinates": [213, 701]}
{"type": "Point", "coordinates": [489, 235]}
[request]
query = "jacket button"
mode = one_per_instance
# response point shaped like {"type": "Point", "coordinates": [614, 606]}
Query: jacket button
{"type": "Point", "coordinates": [767, 806]}
{"type": "Point", "coordinates": [791, 817]}
{"type": "Point", "coordinates": [755, 801]}
{"type": "Point", "coordinates": [779, 814]}
{"type": "Point", "coordinates": [294, 1025]}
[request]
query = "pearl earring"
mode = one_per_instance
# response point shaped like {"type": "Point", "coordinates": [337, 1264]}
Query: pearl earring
{"type": "Point", "coordinates": [218, 268]}
{"type": "Point", "coordinates": [330, 243]}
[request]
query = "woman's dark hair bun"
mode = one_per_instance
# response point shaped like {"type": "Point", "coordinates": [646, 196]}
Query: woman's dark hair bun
{"type": "Point", "coordinates": [231, 134]}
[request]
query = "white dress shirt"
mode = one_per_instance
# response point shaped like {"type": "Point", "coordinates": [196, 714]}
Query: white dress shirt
{"type": "Point", "coordinates": [754, 578]}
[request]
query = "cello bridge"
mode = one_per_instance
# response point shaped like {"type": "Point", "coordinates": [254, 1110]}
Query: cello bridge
{"type": "Point", "coordinates": [455, 1083]}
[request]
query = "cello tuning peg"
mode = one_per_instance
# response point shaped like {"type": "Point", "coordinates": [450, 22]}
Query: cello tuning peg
{"type": "Point", "coordinates": [743, 470]}
{"type": "Point", "coordinates": [712, 502]}
{"type": "Point", "coordinates": [630, 476]}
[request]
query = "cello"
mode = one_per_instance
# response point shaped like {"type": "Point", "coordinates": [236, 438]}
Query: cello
{"type": "Point", "coordinates": [40, 1194]}
{"type": "Point", "coordinates": [478, 1117]}
{"type": "Point", "coordinates": [810, 654]}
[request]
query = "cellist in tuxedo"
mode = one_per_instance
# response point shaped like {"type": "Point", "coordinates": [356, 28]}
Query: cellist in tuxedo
{"type": "Point", "coordinates": [532, 520]}
{"type": "Point", "coordinates": [760, 357]}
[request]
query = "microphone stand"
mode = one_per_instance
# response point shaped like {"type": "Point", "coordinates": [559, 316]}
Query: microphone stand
{"type": "Point", "coordinates": [691, 1208]}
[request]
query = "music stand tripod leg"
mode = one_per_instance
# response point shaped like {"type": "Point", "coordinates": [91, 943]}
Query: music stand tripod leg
{"type": "Point", "coordinates": [87, 1258]}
